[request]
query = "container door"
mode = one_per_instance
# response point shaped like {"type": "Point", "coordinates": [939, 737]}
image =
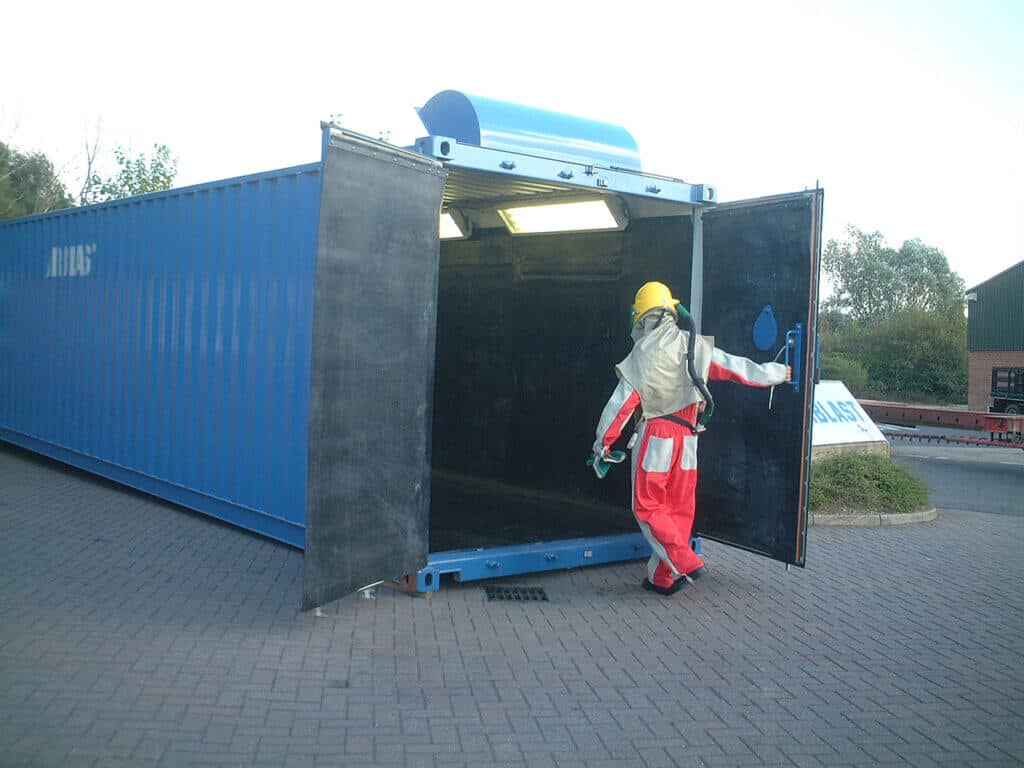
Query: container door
{"type": "Point", "coordinates": [374, 314]}
{"type": "Point", "coordinates": [760, 272]}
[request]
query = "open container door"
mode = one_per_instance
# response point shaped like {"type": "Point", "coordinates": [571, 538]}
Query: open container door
{"type": "Point", "coordinates": [374, 314]}
{"type": "Point", "coordinates": [760, 279]}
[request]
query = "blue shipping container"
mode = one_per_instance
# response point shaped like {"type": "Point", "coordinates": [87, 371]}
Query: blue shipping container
{"type": "Point", "coordinates": [263, 350]}
{"type": "Point", "coordinates": [164, 341]}
{"type": "Point", "coordinates": [222, 346]}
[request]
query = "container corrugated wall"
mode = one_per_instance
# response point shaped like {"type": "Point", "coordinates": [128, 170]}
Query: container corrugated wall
{"type": "Point", "coordinates": [164, 341]}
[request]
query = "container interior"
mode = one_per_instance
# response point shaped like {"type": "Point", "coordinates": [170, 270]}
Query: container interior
{"type": "Point", "coordinates": [529, 329]}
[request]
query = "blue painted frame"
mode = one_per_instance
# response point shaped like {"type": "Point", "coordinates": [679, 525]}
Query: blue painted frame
{"type": "Point", "coordinates": [565, 172]}
{"type": "Point", "coordinates": [472, 565]}
{"type": "Point", "coordinates": [495, 562]}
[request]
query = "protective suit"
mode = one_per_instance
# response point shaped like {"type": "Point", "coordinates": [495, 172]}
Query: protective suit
{"type": "Point", "coordinates": [655, 379]}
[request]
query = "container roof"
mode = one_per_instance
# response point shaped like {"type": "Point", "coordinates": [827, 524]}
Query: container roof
{"type": "Point", "coordinates": [997, 276]}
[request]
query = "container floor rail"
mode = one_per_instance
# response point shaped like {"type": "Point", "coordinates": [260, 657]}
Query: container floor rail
{"type": "Point", "coordinates": [495, 562]}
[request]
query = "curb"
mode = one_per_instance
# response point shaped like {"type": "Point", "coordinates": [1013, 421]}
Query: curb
{"type": "Point", "coordinates": [867, 519]}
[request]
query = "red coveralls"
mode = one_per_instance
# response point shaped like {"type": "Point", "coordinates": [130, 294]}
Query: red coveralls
{"type": "Point", "coordinates": [665, 465]}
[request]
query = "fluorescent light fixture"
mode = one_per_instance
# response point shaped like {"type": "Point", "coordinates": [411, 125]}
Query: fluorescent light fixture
{"type": "Point", "coordinates": [564, 216]}
{"type": "Point", "coordinates": [454, 226]}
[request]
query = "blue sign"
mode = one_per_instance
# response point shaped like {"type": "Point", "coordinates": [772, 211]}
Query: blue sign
{"type": "Point", "coordinates": [839, 419]}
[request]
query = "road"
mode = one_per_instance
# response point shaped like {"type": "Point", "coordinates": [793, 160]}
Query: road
{"type": "Point", "coordinates": [977, 478]}
{"type": "Point", "coordinates": [136, 634]}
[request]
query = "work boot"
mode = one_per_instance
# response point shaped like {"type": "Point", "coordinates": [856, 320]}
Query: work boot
{"type": "Point", "coordinates": [696, 574]}
{"type": "Point", "coordinates": [664, 591]}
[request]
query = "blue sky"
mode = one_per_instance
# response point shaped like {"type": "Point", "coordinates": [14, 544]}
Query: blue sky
{"type": "Point", "coordinates": [911, 114]}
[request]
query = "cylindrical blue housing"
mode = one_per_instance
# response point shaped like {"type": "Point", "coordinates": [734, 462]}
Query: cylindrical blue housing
{"type": "Point", "coordinates": [502, 125]}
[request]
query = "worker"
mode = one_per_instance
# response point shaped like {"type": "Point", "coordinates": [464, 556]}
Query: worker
{"type": "Point", "coordinates": [664, 376]}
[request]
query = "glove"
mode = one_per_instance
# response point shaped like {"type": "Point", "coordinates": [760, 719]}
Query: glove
{"type": "Point", "coordinates": [602, 462]}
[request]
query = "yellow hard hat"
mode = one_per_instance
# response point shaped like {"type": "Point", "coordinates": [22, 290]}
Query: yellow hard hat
{"type": "Point", "coordinates": [651, 296]}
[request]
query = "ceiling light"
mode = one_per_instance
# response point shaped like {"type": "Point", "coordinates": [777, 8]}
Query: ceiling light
{"type": "Point", "coordinates": [454, 226]}
{"type": "Point", "coordinates": [574, 216]}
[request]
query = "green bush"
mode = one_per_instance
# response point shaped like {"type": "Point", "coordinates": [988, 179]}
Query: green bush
{"type": "Point", "coordinates": [845, 369]}
{"type": "Point", "coordinates": [912, 351]}
{"type": "Point", "coordinates": [859, 482]}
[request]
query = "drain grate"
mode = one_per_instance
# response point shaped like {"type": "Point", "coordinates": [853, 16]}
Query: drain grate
{"type": "Point", "coordinates": [522, 594]}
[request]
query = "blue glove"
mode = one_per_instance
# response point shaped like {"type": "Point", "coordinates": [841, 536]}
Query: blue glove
{"type": "Point", "coordinates": [602, 463]}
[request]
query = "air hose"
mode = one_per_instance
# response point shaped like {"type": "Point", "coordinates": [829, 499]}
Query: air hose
{"type": "Point", "coordinates": [698, 381]}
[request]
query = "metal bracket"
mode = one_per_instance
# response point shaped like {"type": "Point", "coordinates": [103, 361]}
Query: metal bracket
{"type": "Point", "coordinates": [817, 357]}
{"type": "Point", "coordinates": [576, 175]}
{"type": "Point", "coordinates": [697, 269]}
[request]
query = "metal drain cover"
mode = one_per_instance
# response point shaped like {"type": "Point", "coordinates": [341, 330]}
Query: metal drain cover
{"type": "Point", "coordinates": [522, 594]}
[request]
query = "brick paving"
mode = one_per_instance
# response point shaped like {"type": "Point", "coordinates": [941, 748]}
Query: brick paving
{"type": "Point", "coordinates": [134, 633]}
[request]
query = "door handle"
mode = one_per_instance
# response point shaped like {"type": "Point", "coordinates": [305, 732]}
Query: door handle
{"type": "Point", "coordinates": [794, 353]}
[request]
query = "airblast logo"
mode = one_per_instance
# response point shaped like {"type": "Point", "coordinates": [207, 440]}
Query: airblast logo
{"type": "Point", "coordinates": [71, 260]}
{"type": "Point", "coordinates": [836, 412]}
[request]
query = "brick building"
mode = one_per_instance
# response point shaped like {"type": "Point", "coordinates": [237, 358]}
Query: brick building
{"type": "Point", "coordinates": [995, 331]}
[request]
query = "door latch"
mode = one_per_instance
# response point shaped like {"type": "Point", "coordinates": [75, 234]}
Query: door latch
{"type": "Point", "coordinates": [794, 353]}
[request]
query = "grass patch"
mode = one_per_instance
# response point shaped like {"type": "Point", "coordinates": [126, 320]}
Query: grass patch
{"type": "Point", "coordinates": [859, 482]}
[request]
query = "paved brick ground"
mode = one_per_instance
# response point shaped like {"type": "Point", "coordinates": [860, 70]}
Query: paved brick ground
{"type": "Point", "coordinates": [133, 633]}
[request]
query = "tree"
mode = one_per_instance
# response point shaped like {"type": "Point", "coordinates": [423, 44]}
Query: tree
{"type": "Point", "coordinates": [913, 354]}
{"type": "Point", "coordinates": [135, 176]}
{"type": "Point", "coordinates": [894, 326]}
{"type": "Point", "coordinates": [872, 281]}
{"type": "Point", "coordinates": [29, 184]}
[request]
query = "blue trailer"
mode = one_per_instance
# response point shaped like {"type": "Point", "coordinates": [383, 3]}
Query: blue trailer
{"type": "Point", "coordinates": [314, 355]}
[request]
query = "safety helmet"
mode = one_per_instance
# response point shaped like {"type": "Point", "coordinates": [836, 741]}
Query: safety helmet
{"type": "Point", "coordinates": [652, 296]}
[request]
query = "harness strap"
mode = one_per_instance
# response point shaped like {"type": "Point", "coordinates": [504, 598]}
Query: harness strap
{"type": "Point", "coordinates": [676, 420]}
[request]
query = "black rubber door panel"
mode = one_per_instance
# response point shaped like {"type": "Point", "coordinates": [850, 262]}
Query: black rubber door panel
{"type": "Point", "coordinates": [374, 320]}
{"type": "Point", "coordinates": [755, 459]}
